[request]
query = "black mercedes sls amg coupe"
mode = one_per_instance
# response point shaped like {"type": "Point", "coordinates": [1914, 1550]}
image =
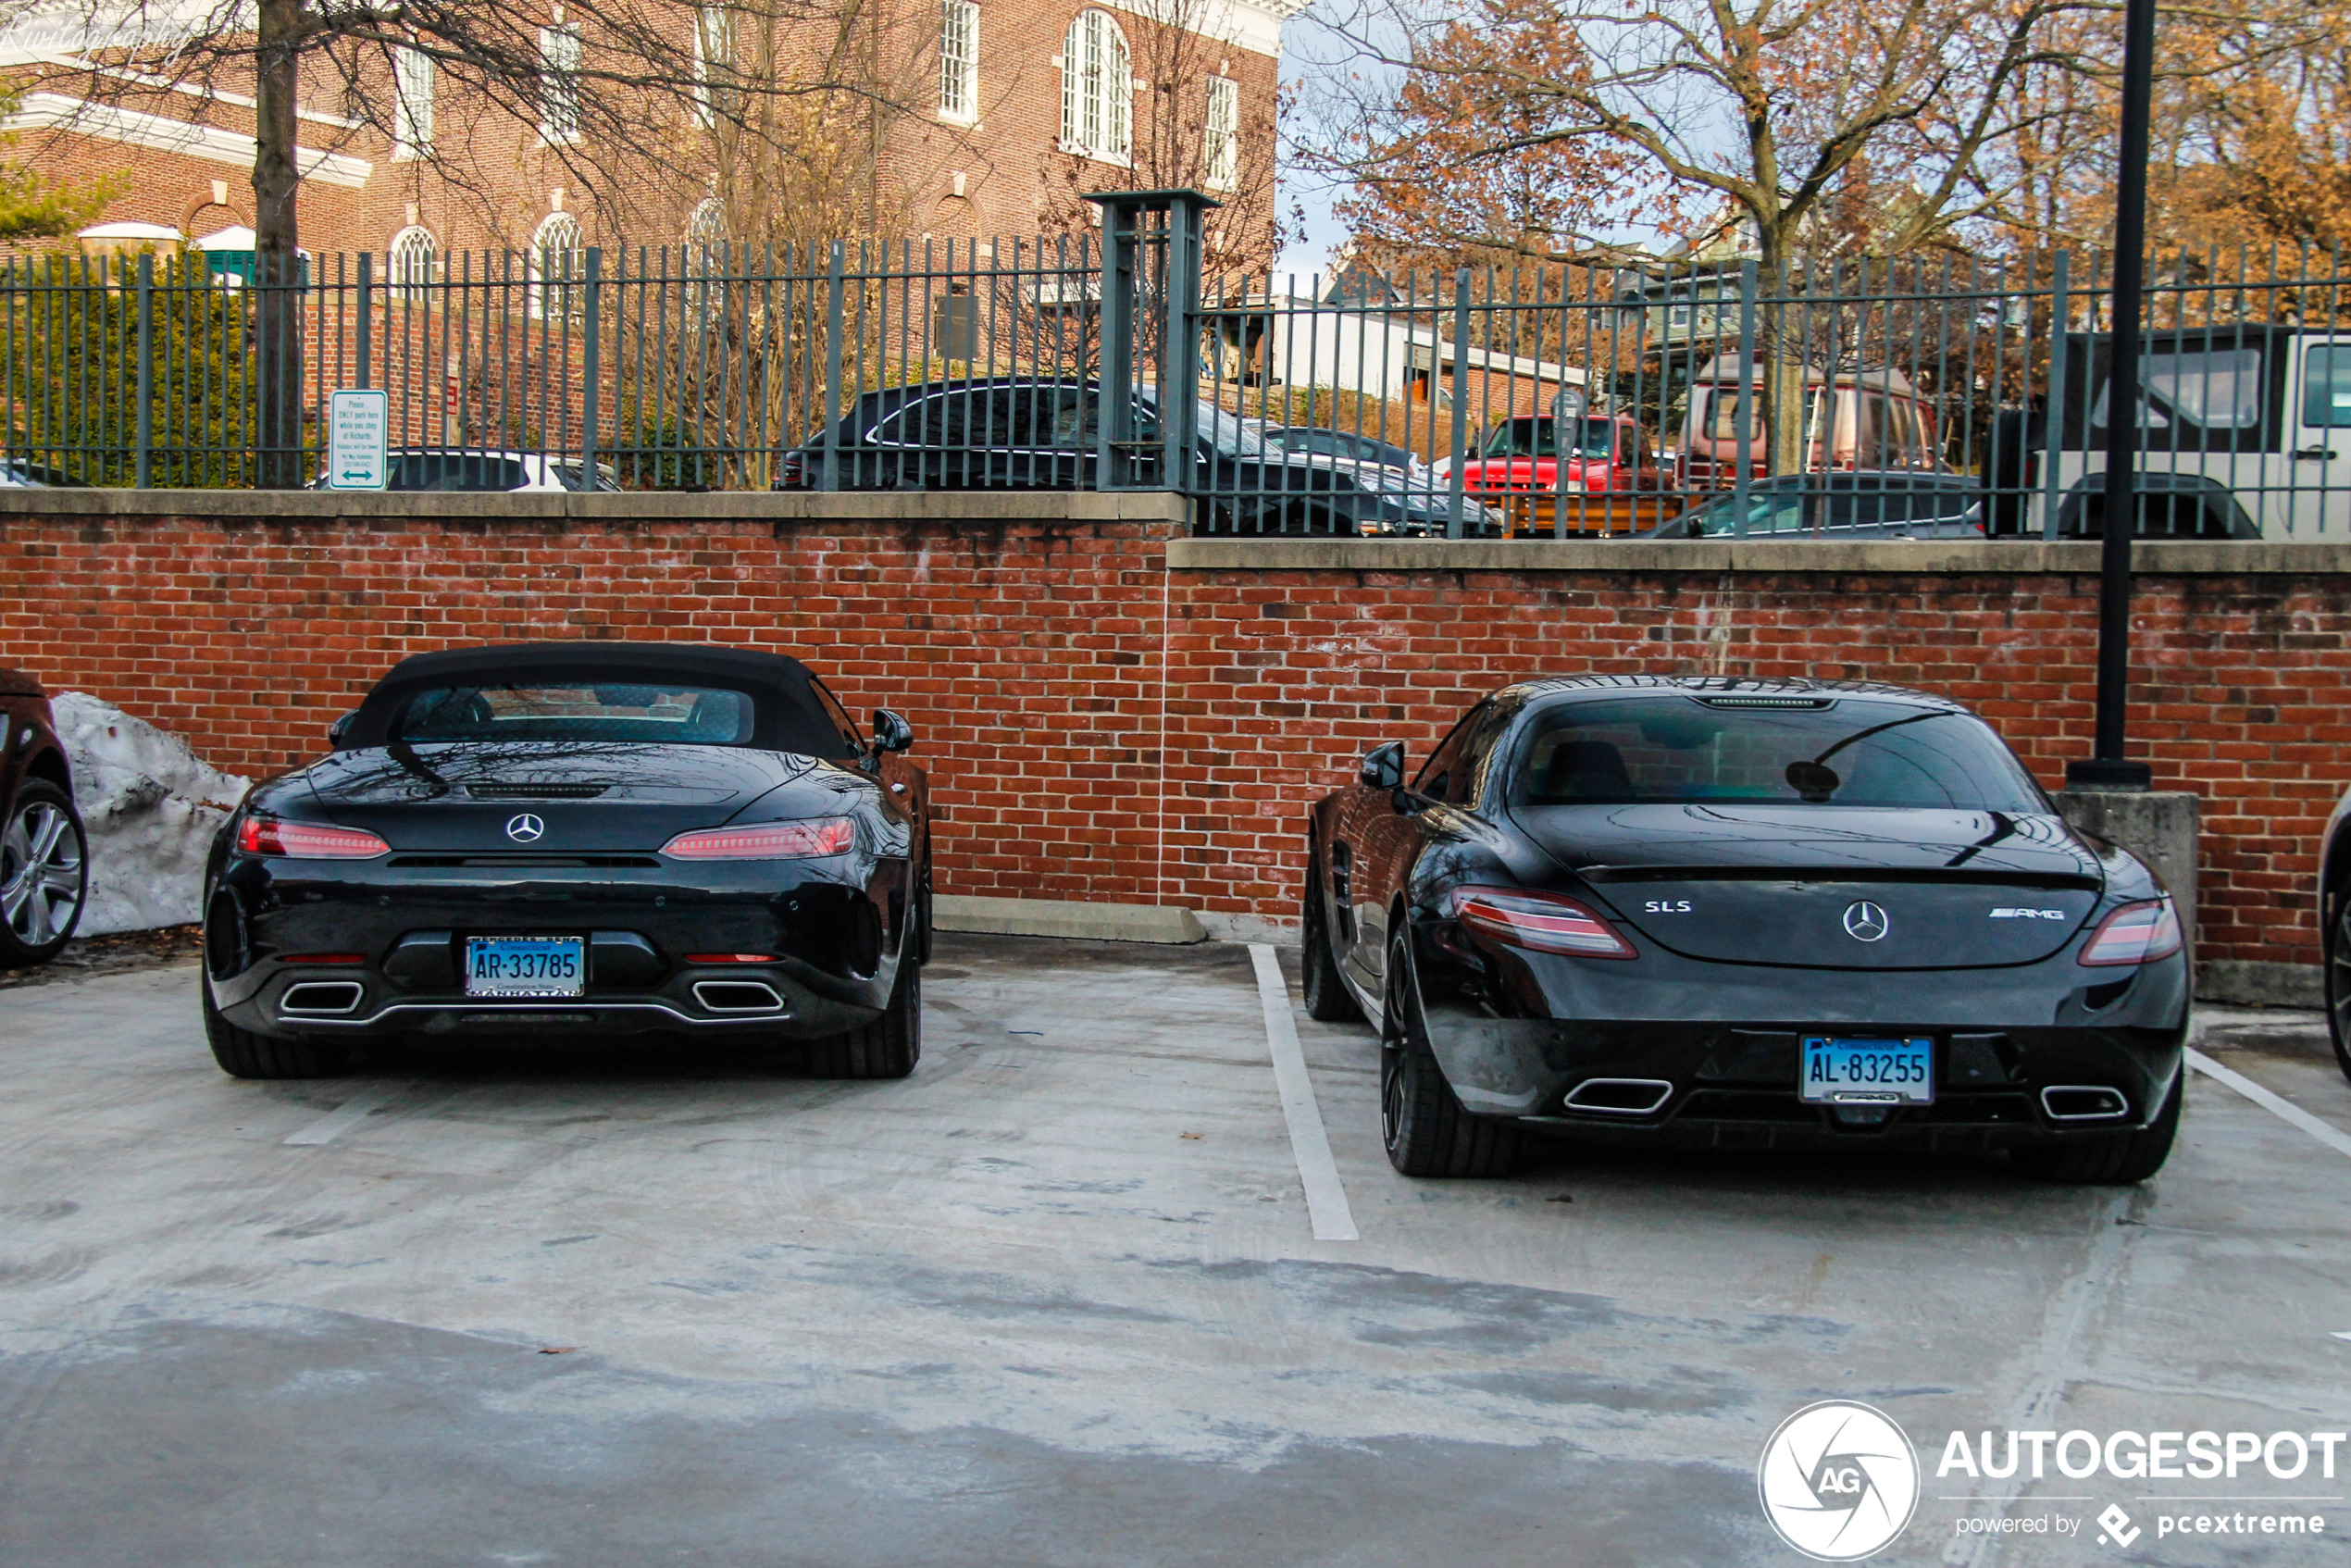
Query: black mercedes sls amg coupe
{"type": "Point", "coordinates": [573, 839]}
{"type": "Point", "coordinates": [1742, 912]}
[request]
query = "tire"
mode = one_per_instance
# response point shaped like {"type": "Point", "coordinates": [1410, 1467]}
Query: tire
{"type": "Point", "coordinates": [887, 1048]}
{"type": "Point", "coordinates": [1327, 999]}
{"type": "Point", "coordinates": [2122, 1158]}
{"type": "Point", "coordinates": [1424, 1130]}
{"type": "Point", "coordinates": [245, 1054]}
{"type": "Point", "coordinates": [45, 875]}
{"type": "Point", "coordinates": [2338, 981]}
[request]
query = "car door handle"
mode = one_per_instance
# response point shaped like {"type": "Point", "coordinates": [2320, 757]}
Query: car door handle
{"type": "Point", "coordinates": [2315, 455]}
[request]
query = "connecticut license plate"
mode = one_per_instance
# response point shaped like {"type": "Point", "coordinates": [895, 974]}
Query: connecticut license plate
{"type": "Point", "coordinates": [525, 965]}
{"type": "Point", "coordinates": [1867, 1072]}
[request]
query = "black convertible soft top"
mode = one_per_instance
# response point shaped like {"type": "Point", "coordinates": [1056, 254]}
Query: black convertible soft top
{"type": "Point", "coordinates": [786, 714]}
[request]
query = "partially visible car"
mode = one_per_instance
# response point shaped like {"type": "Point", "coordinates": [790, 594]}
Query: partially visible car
{"type": "Point", "coordinates": [1738, 912]}
{"type": "Point", "coordinates": [2335, 927]}
{"type": "Point", "coordinates": [477, 469]}
{"type": "Point", "coordinates": [575, 841]}
{"type": "Point", "coordinates": [44, 856]}
{"type": "Point", "coordinates": [1848, 506]}
{"type": "Point", "coordinates": [1019, 433]}
{"type": "Point", "coordinates": [1349, 447]}
{"type": "Point", "coordinates": [22, 473]}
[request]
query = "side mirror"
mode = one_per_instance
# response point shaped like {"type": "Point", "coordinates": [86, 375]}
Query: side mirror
{"type": "Point", "coordinates": [892, 732]}
{"type": "Point", "coordinates": [340, 728]}
{"type": "Point", "coordinates": [1384, 767]}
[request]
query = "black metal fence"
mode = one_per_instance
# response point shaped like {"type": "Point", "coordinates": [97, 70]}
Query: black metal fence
{"type": "Point", "coordinates": [1868, 398]}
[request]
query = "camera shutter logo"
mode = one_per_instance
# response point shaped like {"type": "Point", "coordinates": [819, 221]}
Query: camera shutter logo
{"type": "Point", "coordinates": [1865, 922]}
{"type": "Point", "coordinates": [525, 828]}
{"type": "Point", "coordinates": [1838, 1481]}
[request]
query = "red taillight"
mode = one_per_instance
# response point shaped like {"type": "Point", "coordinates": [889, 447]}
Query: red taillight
{"type": "Point", "coordinates": [306, 840]}
{"type": "Point", "coordinates": [2137, 933]}
{"type": "Point", "coordinates": [1543, 922]}
{"type": "Point", "coordinates": [766, 840]}
{"type": "Point", "coordinates": [730, 958]}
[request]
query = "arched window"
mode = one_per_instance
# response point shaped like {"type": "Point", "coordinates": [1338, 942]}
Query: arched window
{"type": "Point", "coordinates": [1098, 89]}
{"type": "Point", "coordinates": [410, 263]}
{"type": "Point", "coordinates": [556, 265]}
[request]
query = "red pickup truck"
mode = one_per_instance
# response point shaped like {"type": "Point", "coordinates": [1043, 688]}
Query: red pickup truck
{"type": "Point", "coordinates": [1522, 456]}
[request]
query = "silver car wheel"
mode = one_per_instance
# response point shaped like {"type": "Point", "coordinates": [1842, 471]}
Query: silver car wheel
{"type": "Point", "coordinates": [40, 873]}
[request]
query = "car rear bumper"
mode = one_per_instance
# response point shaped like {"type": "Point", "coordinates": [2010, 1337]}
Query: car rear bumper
{"type": "Point", "coordinates": [2002, 1040]}
{"type": "Point", "coordinates": [829, 951]}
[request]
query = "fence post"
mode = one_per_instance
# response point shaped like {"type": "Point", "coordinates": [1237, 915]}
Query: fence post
{"type": "Point", "coordinates": [2061, 313]}
{"type": "Point", "coordinates": [1120, 323]}
{"type": "Point", "coordinates": [1179, 356]}
{"type": "Point", "coordinates": [1743, 414]}
{"type": "Point", "coordinates": [147, 369]}
{"type": "Point", "coordinates": [829, 475]}
{"type": "Point", "coordinates": [1461, 399]}
{"type": "Point", "coordinates": [590, 371]}
{"type": "Point", "coordinates": [366, 356]}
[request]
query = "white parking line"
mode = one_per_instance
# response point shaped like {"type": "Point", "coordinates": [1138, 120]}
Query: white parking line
{"type": "Point", "coordinates": [2285, 1110]}
{"type": "Point", "coordinates": [348, 1114]}
{"type": "Point", "coordinates": [1309, 1144]}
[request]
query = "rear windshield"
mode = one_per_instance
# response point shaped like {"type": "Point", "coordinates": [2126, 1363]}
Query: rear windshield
{"type": "Point", "coordinates": [1540, 438]}
{"type": "Point", "coordinates": [1854, 752]}
{"type": "Point", "coordinates": [678, 715]}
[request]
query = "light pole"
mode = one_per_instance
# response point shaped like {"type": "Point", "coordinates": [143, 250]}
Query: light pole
{"type": "Point", "coordinates": [2105, 768]}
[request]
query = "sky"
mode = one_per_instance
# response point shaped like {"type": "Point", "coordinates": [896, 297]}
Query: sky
{"type": "Point", "coordinates": [1310, 252]}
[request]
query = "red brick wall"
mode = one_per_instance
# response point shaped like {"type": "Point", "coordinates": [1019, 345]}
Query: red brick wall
{"type": "Point", "coordinates": [1099, 727]}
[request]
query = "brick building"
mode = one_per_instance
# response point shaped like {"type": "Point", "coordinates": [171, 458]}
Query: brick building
{"type": "Point", "coordinates": [999, 114]}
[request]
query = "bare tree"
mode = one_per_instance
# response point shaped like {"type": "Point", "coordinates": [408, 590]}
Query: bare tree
{"type": "Point", "coordinates": [1775, 111]}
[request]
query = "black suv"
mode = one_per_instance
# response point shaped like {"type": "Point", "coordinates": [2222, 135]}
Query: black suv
{"type": "Point", "coordinates": [1016, 433]}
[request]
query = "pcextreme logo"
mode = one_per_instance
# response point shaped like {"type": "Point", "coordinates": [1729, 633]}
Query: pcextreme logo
{"type": "Point", "coordinates": [1838, 1480]}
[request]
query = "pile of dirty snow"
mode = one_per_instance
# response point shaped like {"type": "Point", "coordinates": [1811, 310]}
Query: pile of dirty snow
{"type": "Point", "coordinates": [150, 807]}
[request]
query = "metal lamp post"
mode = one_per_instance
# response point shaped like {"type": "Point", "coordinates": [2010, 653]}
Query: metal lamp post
{"type": "Point", "coordinates": [2106, 768]}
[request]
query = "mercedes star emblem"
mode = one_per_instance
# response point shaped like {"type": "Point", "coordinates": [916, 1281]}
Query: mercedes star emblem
{"type": "Point", "coordinates": [1864, 922]}
{"type": "Point", "coordinates": [527, 828]}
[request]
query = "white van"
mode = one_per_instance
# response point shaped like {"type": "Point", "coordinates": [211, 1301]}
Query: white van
{"type": "Point", "coordinates": [2245, 433]}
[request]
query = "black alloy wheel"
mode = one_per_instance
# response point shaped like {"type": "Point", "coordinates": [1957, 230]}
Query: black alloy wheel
{"type": "Point", "coordinates": [887, 1048]}
{"type": "Point", "coordinates": [2338, 973]}
{"type": "Point", "coordinates": [2116, 1159]}
{"type": "Point", "coordinates": [245, 1054]}
{"type": "Point", "coordinates": [1327, 998]}
{"type": "Point", "coordinates": [1424, 1130]}
{"type": "Point", "coordinates": [45, 875]}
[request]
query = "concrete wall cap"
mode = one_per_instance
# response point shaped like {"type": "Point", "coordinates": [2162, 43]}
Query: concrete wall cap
{"type": "Point", "coordinates": [1937, 557]}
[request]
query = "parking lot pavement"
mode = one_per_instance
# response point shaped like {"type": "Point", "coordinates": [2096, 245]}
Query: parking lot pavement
{"type": "Point", "coordinates": [1057, 1300]}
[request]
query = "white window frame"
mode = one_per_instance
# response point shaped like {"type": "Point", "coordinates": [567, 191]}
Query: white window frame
{"type": "Point", "coordinates": [412, 71]}
{"type": "Point", "coordinates": [714, 40]}
{"type": "Point", "coordinates": [410, 262]}
{"type": "Point", "coordinates": [1222, 134]}
{"type": "Point", "coordinates": [1098, 89]}
{"type": "Point", "coordinates": [559, 84]}
{"type": "Point", "coordinates": [959, 61]}
{"type": "Point", "coordinates": [554, 293]}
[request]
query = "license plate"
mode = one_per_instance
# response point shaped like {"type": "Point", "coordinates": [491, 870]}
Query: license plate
{"type": "Point", "coordinates": [525, 965]}
{"type": "Point", "coordinates": [1867, 1072]}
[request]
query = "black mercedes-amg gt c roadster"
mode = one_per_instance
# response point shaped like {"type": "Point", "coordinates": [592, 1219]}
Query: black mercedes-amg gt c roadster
{"type": "Point", "coordinates": [1740, 912]}
{"type": "Point", "coordinates": [573, 839]}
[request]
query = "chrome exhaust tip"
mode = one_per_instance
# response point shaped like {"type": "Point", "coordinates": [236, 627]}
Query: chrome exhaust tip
{"type": "Point", "coordinates": [738, 996]}
{"type": "Point", "coordinates": [321, 997]}
{"type": "Point", "coordinates": [2083, 1102]}
{"type": "Point", "coordinates": [1620, 1097]}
